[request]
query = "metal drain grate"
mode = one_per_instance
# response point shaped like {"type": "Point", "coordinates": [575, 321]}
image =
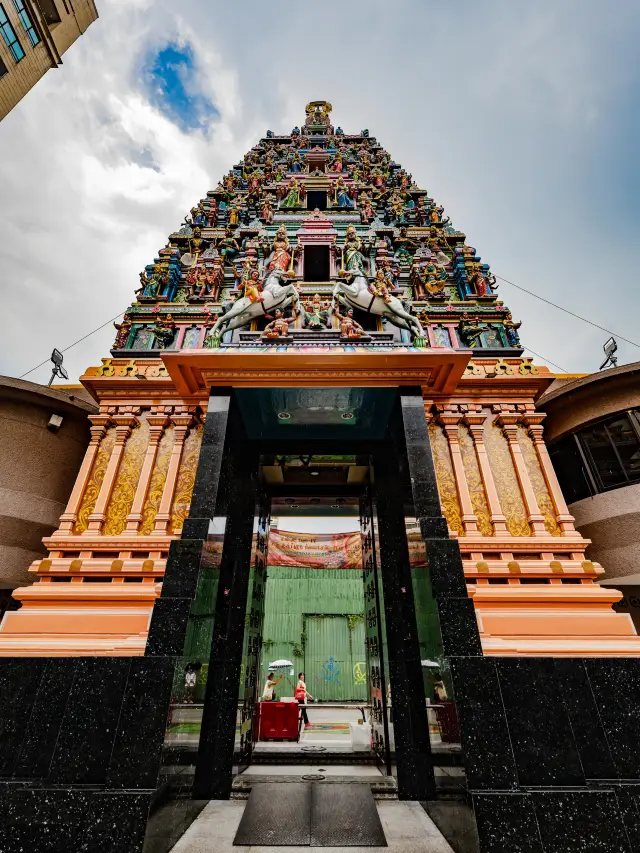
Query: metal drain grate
{"type": "Point", "coordinates": [312, 777]}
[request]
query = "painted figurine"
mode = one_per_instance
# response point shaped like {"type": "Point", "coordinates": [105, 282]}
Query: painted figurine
{"type": "Point", "coordinates": [294, 196]}
{"type": "Point", "coordinates": [349, 328]}
{"type": "Point", "coordinates": [469, 330]}
{"type": "Point", "coordinates": [164, 331]}
{"type": "Point", "coordinates": [379, 286]}
{"type": "Point", "coordinates": [352, 257]}
{"type": "Point", "coordinates": [277, 328]}
{"type": "Point", "coordinates": [316, 315]}
{"type": "Point", "coordinates": [367, 212]}
{"type": "Point", "coordinates": [282, 253]}
{"type": "Point", "coordinates": [228, 246]}
{"type": "Point", "coordinates": [266, 211]}
{"type": "Point", "coordinates": [402, 247]}
{"type": "Point", "coordinates": [341, 196]}
{"type": "Point", "coordinates": [123, 329]}
{"type": "Point", "coordinates": [511, 330]}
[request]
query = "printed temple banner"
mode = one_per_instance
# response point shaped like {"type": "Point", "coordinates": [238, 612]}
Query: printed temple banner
{"type": "Point", "coordinates": [315, 550]}
{"type": "Point", "coordinates": [328, 550]}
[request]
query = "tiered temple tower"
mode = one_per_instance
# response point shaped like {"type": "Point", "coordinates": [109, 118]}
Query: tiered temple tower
{"type": "Point", "coordinates": [317, 261]}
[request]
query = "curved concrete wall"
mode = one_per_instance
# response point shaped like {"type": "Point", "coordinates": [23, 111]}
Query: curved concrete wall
{"type": "Point", "coordinates": [38, 468]}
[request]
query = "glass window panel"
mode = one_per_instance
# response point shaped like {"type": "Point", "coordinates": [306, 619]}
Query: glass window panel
{"type": "Point", "coordinates": [600, 447]}
{"type": "Point", "coordinates": [570, 469]}
{"type": "Point", "coordinates": [26, 22]}
{"type": "Point", "coordinates": [9, 36]}
{"type": "Point", "coordinates": [625, 439]}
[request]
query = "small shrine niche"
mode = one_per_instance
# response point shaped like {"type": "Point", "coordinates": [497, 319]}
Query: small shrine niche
{"type": "Point", "coordinates": [317, 200]}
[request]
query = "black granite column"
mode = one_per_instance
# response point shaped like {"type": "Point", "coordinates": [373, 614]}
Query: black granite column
{"type": "Point", "coordinates": [214, 768]}
{"type": "Point", "coordinates": [411, 726]}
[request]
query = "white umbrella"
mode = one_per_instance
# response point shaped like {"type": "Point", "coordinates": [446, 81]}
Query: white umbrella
{"type": "Point", "coordinates": [427, 663]}
{"type": "Point", "coordinates": [282, 664]}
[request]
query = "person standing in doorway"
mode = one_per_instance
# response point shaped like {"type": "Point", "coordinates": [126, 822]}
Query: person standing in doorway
{"type": "Point", "coordinates": [302, 694]}
{"type": "Point", "coordinates": [268, 694]}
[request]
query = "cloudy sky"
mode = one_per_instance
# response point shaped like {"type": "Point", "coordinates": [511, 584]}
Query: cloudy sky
{"type": "Point", "coordinates": [521, 118]}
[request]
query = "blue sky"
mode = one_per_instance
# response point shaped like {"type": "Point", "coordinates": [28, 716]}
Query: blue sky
{"type": "Point", "coordinates": [522, 119]}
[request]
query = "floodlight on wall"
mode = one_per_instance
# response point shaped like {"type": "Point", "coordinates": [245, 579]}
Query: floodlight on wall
{"type": "Point", "coordinates": [55, 422]}
{"type": "Point", "coordinates": [58, 370]}
{"type": "Point", "coordinates": [610, 350]}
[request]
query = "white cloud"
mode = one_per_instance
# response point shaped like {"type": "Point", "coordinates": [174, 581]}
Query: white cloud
{"type": "Point", "coordinates": [503, 111]}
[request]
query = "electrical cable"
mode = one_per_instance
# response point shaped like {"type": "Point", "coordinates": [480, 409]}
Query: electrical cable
{"type": "Point", "coordinates": [566, 311]}
{"type": "Point", "coordinates": [88, 335]}
{"type": "Point", "coordinates": [548, 360]}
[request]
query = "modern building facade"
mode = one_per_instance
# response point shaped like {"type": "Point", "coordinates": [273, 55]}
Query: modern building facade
{"type": "Point", "coordinates": [318, 330]}
{"type": "Point", "coordinates": [593, 435]}
{"type": "Point", "coordinates": [44, 434]}
{"type": "Point", "coordinates": [34, 35]}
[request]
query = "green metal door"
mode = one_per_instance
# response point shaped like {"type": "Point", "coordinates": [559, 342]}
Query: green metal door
{"type": "Point", "coordinates": [335, 658]}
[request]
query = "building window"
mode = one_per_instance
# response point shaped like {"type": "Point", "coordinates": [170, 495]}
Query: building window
{"type": "Point", "coordinates": [9, 36]}
{"type": "Point", "coordinates": [50, 12]}
{"type": "Point", "coordinates": [602, 456]}
{"type": "Point", "coordinates": [26, 22]}
{"type": "Point", "coordinates": [3, 68]}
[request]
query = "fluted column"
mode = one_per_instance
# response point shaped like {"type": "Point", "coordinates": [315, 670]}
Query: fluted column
{"type": "Point", "coordinates": [124, 425]}
{"type": "Point", "coordinates": [476, 428]}
{"type": "Point", "coordinates": [533, 422]}
{"type": "Point", "coordinates": [181, 428]}
{"type": "Point", "coordinates": [157, 424]}
{"type": "Point", "coordinates": [70, 515]}
{"type": "Point", "coordinates": [509, 424]}
{"type": "Point", "coordinates": [450, 423]}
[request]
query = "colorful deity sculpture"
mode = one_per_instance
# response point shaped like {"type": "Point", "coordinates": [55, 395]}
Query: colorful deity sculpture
{"type": "Point", "coordinates": [164, 331]}
{"type": "Point", "coordinates": [228, 247]}
{"type": "Point", "coordinates": [379, 286]}
{"type": "Point", "coordinates": [316, 313]}
{"type": "Point", "coordinates": [403, 245]}
{"type": "Point", "coordinates": [278, 328]}
{"type": "Point", "coordinates": [281, 257]}
{"type": "Point", "coordinates": [479, 282]}
{"type": "Point", "coordinates": [469, 330]}
{"type": "Point", "coordinates": [396, 207]}
{"type": "Point", "coordinates": [124, 330]}
{"type": "Point", "coordinates": [352, 257]}
{"type": "Point", "coordinates": [213, 212]}
{"type": "Point", "coordinates": [341, 194]}
{"type": "Point", "coordinates": [427, 280]}
{"type": "Point", "coordinates": [294, 194]}
{"type": "Point", "coordinates": [511, 330]}
{"type": "Point", "coordinates": [349, 328]}
{"type": "Point", "coordinates": [367, 212]}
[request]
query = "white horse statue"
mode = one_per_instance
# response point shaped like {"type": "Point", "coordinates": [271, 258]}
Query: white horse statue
{"type": "Point", "coordinates": [356, 294]}
{"type": "Point", "coordinates": [276, 294]}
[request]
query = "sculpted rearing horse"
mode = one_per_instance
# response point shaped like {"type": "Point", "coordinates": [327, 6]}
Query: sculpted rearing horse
{"type": "Point", "coordinates": [356, 294]}
{"type": "Point", "coordinates": [277, 292]}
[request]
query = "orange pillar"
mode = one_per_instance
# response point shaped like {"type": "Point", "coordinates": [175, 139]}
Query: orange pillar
{"type": "Point", "coordinates": [181, 424]}
{"type": "Point", "coordinates": [509, 424]}
{"type": "Point", "coordinates": [70, 515]}
{"type": "Point", "coordinates": [450, 422]}
{"type": "Point", "coordinates": [124, 425]}
{"type": "Point", "coordinates": [476, 428]}
{"type": "Point", "coordinates": [157, 424]}
{"type": "Point", "coordinates": [536, 431]}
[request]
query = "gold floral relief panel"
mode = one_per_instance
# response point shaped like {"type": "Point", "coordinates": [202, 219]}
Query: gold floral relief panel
{"type": "Point", "coordinates": [445, 478]}
{"type": "Point", "coordinates": [474, 481]}
{"type": "Point", "coordinates": [126, 483]}
{"type": "Point", "coordinates": [540, 488]}
{"type": "Point", "coordinates": [92, 489]}
{"type": "Point", "coordinates": [156, 484]}
{"type": "Point", "coordinates": [506, 480]}
{"type": "Point", "coordinates": [186, 478]}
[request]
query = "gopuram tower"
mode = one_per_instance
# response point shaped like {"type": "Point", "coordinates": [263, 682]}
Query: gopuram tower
{"type": "Point", "coordinates": [317, 263]}
{"type": "Point", "coordinates": [318, 330]}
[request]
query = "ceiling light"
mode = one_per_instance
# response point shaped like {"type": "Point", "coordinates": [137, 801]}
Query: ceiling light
{"type": "Point", "coordinates": [347, 416]}
{"type": "Point", "coordinates": [314, 473]}
{"type": "Point", "coordinates": [335, 506]}
{"type": "Point", "coordinates": [294, 506]}
{"type": "Point", "coordinates": [284, 416]}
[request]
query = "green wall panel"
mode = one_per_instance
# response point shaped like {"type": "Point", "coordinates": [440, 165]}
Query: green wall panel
{"type": "Point", "coordinates": [332, 652]}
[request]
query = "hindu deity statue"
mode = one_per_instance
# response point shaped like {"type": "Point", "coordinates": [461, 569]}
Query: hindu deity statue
{"type": "Point", "coordinates": [123, 329]}
{"type": "Point", "coordinates": [511, 330]}
{"type": "Point", "coordinates": [341, 194]}
{"type": "Point", "coordinates": [478, 281]}
{"type": "Point", "coordinates": [316, 313]}
{"type": "Point", "coordinates": [277, 328]}
{"type": "Point", "coordinates": [213, 212]}
{"type": "Point", "coordinates": [228, 247]}
{"type": "Point", "coordinates": [422, 212]}
{"type": "Point", "coordinates": [428, 280]}
{"type": "Point", "coordinates": [164, 331]}
{"type": "Point", "coordinates": [352, 257]}
{"type": "Point", "coordinates": [294, 194]}
{"type": "Point", "coordinates": [234, 214]}
{"type": "Point", "coordinates": [266, 209]}
{"type": "Point", "coordinates": [469, 330]}
{"type": "Point", "coordinates": [396, 207]}
{"type": "Point", "coordinates": [337, 165]}
{"type": "Point", "coordinates": [251, 287]}
{"type": "Point", "coordinates": [349, 328]}
{"type": "Point", "coordinates": [367, 212]}
{"type": "Point", "coordinates": [403, 244]}
{"type": "Point", "coordinates": [282, 254]}
{"type": "Point", "coordinates": [212, 280]}
{"type": "Point", "coordinates": [294, 161]}
{"type": "Point", "coordinates": [379, 286]}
